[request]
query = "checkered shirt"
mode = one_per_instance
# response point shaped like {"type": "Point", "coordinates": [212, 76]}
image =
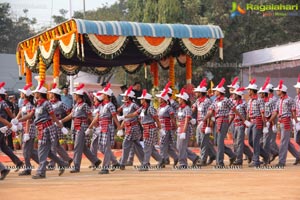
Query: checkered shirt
{"type": "Point", "coordinates": [297, 101]}
{"type": "Point", "coordinates": [132, 127]}
{"type": "Point", "coordinates": [182, 114]}
{"type": "Point", "coordinates": [106, 112]}
{"type": "Point", "coordinates": [221, 107]}
{"type": "Point", "coordinates": [269, 107]}
{"type": "Point", "coordinates": [80, 114]}
{"type": "Point", "coordinates": [3, 108]}
{"type": "Point", "coordinates": [255, 107]}
{"type": "Point", "coordinates": [285, 106]}
{"type": "Point", "coordinates": [202, 105]}
{"type": "Point", "coordinates": [241, 107]}
{"type": "Point", "coordinates": [164, 114]}
{"type": "Point", "coordinates": [60, 109]}
{"type": "Point", "coordinates": [26, 109]}
{"type": "Point", "coordinates": [42, 112]}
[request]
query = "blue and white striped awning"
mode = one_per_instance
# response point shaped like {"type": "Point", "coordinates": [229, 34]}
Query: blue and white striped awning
{"type": "Point", "coordinates": [148, 29]}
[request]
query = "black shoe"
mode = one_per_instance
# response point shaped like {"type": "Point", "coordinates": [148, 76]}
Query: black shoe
{"type": "Point", "coordinates": [4, 173]}
{"type": "Point", "coordinates": [104, 171]}
{"type": "Point", "coordinates": [219, 166]}
{"type": "Point", "coordinates": [167, 161]}
{"type": "Point", "coordinates": [18, 166]}
{"type": "Point", "coordinates": [297, 161]}
{"type": "Point", "coordinates": [70, 162]}
{"type": "Point", "coordinates": [211, 160]}
{"type": "Point", "coordinates": [115, 166]}
{"type": "Point", "coordinates": [38, 176]}
{"type": "Point", "coordinates": [122, 167]}
{"type": "Point", "coordinates": [97, 163]}
{"type": "Point", "coordinates": [231, 160]}
{"type": "Point", "coordinates": [202, 163]}
{"type": "Point", "coordinates": [144, 168]}
{"type": "Point", "coordinates": [92, 166]}
{"type": "Point", "coordinates": [74, 171]}
{"type": "Point", "coordinates": [273, 157]}
{"type": "Point", "coordinates": [161, 164]}
{"type": "Point", "coordinates": [196, 161]}
{"type": "Point", "coordinates": [61, 170]}
{"type": "Point", "coordinates": [50, 168]}
{"type": "Point", "coordinates": [25, 173]}
{"type": "Point", "coordinates": [279, 165]}
{"type": "Point", "coordinates": [237, 163]}
{"type": "Point", "coordinates": [249, 158]}
{"type": "Point", "coordinates": [253, 165]}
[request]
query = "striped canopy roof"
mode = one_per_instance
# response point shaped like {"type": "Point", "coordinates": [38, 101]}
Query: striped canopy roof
{"type": "Point", "coordinates": [148, 29]}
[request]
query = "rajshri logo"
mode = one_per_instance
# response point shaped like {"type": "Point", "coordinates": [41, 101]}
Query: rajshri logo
{"type": "Point", "coordinates": [237, 10]}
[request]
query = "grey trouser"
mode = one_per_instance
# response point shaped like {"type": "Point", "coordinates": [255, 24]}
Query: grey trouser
{"type": "Point", "coordinates": [206, 147]}
{"type": "Point", "coordinates": [108, 154]}
{"type": "Point", "coordinates": [2, 167]}
{"type": "Point", "coordinates": [127, 146]}
{"type": "Point", "coordinates": [168, 148]}
{"type": "Point", "coordinates": [131, 155]}
{"type": "Point", "coordinates": [94, 145]}
{"type": "Point", "coordinates": [79, 148]}
{"type": "Point", "coordinates": [183, 151]}
{"type": "Point", "coordinates": [44, 151]}
{"type": "Point", "coordinates": [221, 148]}
{"type": "Point", "coordinates": [149, 150]}
{"type": "Point", "coordinates": [297, 137]}
{"type": "Point", "coordinates": [273, 145]}
{"type": "Point", "coordinates": [57, 149]}
{"type": "Point", "coordinates": [254, 141]}
{"type": "Point", "coordinates": [6, 150]}
{"type": "Point", "coordinates": [239, 144]}
{"type": "Point", "coordinates": [28, 153]}
{"type": "Point", "coordinates": [285, 145]}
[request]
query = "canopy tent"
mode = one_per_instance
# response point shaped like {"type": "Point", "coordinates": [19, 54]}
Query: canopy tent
{"type": "Point", "coordinates": [101, 45]}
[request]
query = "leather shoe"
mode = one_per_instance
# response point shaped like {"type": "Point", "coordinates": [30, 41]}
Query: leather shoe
{"type": "Point", "coordinates": [297, 161]}
{"type": "Point", "coordinates": [25, 173]}
{"type": "Point", "coordinates": [211, 160]}
{"type": "Point", "coordinates": [74, 171]}
{"type": "Point", "coordinates": [273, 157]}
{"type": "Point", "coordinates": [4, 173]}
{"type": "Point", "coordinates": [231, 160]}
{"type": "Point", "coordinates": [38, 176]}
{"type": "Point", "coordinates": [104, 171]}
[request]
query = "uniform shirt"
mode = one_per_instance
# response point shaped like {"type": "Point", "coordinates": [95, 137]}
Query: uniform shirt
{"type": "Point", "coordinates": [42, 111]}
{"type": "Point", "coordinates": [81, 110]}
{"type": "Point", "coordinates": [222, 106]}
{"type": "Point", "coordinates": [285, 106]}
{"type": "Point", "coordinates": [255, 107]}
{"type": "Point", "coordinates": [273, 98]}
{"type": "Point", "coordinates": [269, 107]}
{"type": "Point", "coordinates": [106, 111]}
{"type": "Point", "coordinates": [184, 112]}
{"type": "Point", "coordinates": [241, 107]}
{"type": "Point", "coordinates": [127, 108]}
{"type": "Point", "coordinates": [3, 111]}
{"type": "Point", "coordinates": [174, 105]}
{"type": "Point", "coordinates": [165, 112]}
{"type": "Point", "coordinates": [60, 109]}
{"type": "Point", "coordinates": [202, 105]}
{"type": "Point", "coordinates": [234, 102]}
{"type": "Point", "coordinates": [297, 101]}
{"type": "Point", "coordinates": [148, 116]}
{"type": "Point", "coordinates": [26, 108]}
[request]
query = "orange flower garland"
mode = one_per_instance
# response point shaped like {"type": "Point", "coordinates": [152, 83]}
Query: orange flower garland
{"type": "Point", "coordinates": [42, 69]}
{"type": "Point", "coordinates": [56, 66]}
{"type": "Point", "coordinates": [28, 75]}
{"type": "Point", "coordinates": [172, 72]}
{"type": "Point", "coordinates": [154, 71]}
{"type": "Point", "coordinates": [188, 65]}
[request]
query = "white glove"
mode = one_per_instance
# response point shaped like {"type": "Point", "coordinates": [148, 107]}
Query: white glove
{"type": "Point", "coordinates": [207, 130]}
{"type": "Point", "coordinates": [15, 121]}
{"type": "Point", "coordinates": [294, 122]}
{"type": "Point", "coordinates": [201, 124]}
{"type": "Point", "coordinates": [19, 126]}
{"type": "Point", "coordinates": [297, 126]}
{"type": "Point", "coordinates": [162, 132]}
{"type": "Point", "coordinates": [247, 123]}
{"type": "Point", "coordinates": [182, 136]}
{"type": "Point", "coordinates": [3, 129]}
{"type": "Point", "coordinates": [265, 130]}
{"type": "Point", "coordinates": [120, 133]}
{"type": "Point", "coordinates": [268, 124]}
{"type": "Point", "coordinates": [98, 129]}
{"type": "Point", "coordinates": [64, 130]}
{"type": "Point", "coordinates": [213, 119]}
{"type": "Point", "coordinates": [193, 121]}
{"type": "Point", "coordinates": [26, 137]}
{"type": "Point", "coordinates": [14, 128]}
{"type": "Point", "coordinates": [274, 128]}
{"type": "Point", "coordinates": [120, 118]}
{"type": "Point", "coordinates": [88, 131]}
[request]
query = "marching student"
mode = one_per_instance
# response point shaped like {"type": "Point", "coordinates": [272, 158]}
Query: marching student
{"type": "Point", "coordinates": [255, 110]}
{"type": "Point", "coordinates": [60, 110]}
{"type": "Point", "coordinates": [166, 115]}
{"type": "Point", "coordinates": [106, 116]}
{"type": "Point", "coordinates": [239, 128]}
{"type": "Point", "coordinates": [286, 111]}
{"type": "Point", "coordinates": [222, 107]}
{"type": "Point", "coordinates": [5, 113]}
{"type": "Point", "coordinates": [184, 130]}
{"type": "Point", "coordinates": [268, 110]}
{"type": "Point", "coordinates": [29, 130]}
{"type": "Point", "coordinates": [148, 117]}
{"type": "Point", "coordinates": [81, 115]}
{"type": "Point", "coordinates": [44, 118]}
{"type": "Point", "coordinates": [133, 131]}
{"type": "Point", "coordinates": [201, 107]}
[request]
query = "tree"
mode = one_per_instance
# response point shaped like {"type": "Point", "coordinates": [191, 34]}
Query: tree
{"type": "Point", "coordinates": [60, 18]}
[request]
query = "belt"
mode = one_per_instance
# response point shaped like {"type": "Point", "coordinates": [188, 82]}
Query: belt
{"type": "Point", "coordinates": [45, 124]}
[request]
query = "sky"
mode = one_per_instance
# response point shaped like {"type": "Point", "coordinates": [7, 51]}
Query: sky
{"type": "Point", "coordinates": [42, 10]}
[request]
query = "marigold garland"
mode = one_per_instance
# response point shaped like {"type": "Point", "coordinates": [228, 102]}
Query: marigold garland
{"type": "Point", "coordinates": [188, 69]}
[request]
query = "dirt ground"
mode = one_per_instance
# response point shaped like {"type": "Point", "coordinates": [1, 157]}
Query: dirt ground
{"type": "Point", "coordinates": [204, 183]}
